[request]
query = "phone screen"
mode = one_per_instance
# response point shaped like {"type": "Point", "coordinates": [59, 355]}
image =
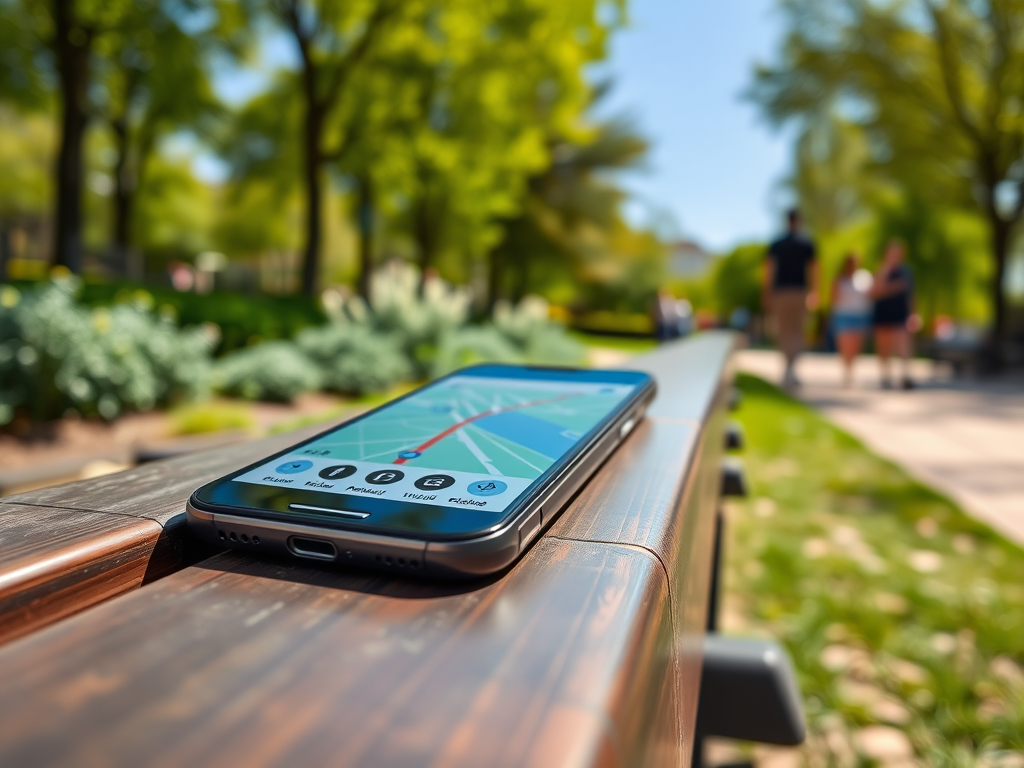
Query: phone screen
{"type": "Point", "coordinates": [465, 441]}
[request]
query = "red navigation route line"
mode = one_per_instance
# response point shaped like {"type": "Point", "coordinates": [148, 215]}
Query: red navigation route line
{"type": "Point", "coordinates": [459, 425]}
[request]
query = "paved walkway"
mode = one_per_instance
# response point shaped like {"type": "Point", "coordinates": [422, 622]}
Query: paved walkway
{"type": "Point", "coordinates": [965, 437]}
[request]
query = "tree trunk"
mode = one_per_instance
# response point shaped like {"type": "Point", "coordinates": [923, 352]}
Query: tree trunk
{"type": "Point", "coordinates": [425, 231]}
{"type": "Point", "coordinates": [1000, 244]}
{"type": "Point", "coordinates": [5, 250]}
{"type": "Point", "coordinates": [495, 268]}
{"type": "Point", "coordinates": [311, 169]}
{"type": "Point", "coordinates": [71, 49]}
{"type": "Point", "coordinates": [365, 212]}
{"type": "Point", "coordinates": [124, 191]}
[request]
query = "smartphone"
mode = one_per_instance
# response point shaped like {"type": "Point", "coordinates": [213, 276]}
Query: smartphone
{"type": "Point", "coordinates": [453, 479]}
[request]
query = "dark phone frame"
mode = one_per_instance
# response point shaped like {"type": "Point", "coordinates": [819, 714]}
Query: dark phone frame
{"type": "Point", "coordinates": [406, 519]}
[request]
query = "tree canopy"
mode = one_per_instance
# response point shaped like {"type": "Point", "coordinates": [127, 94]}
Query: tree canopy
{"type": "Point", "coordinates": [932, 94]}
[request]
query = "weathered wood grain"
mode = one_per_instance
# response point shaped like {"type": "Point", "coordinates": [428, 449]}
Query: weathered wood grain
{"type": "Point", "coordinates": [98, 557]}
{"type": "Point", "coordinates": [568, 660]}
{"type": "Point", "coordinates": [586, 653]}
{"type": "Point", "coordinates": [158, 490]}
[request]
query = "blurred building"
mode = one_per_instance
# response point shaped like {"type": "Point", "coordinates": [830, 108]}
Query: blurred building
{"type": "Point", "coordinates": [688, 259]}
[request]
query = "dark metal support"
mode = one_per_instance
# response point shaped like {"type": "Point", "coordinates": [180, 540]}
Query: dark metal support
{"type": "Point", "coordinates": [734, 439]}
{"type": "Point", "coordinates": [734, 479]}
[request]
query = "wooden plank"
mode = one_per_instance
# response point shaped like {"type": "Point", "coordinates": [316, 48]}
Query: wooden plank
{"type": "Point", "coordinates": [568, 660]}
{"type": "Point", "coordinates": [49, 569]}
{"type": "Point", "coordinates": [158, 490]}
{"type": "Point", "coordinates": [693, 374]}
{"type": "Point", "coordinates": [634, 500]}
{"type": "Point", "coordinates": [66, 548]}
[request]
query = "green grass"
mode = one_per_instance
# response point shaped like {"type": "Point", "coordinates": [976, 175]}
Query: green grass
{"type": "Point", "coordinates": [360, 404]}
{"type": "Point", "coordinates": [897, 608]}
{"type": "Point", "coordinates": [211, 416]}
{"type": "Point", "coordinates": [634, 344]}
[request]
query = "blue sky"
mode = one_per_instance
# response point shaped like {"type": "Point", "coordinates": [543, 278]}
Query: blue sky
{"type": "Point", "coordinates": [680, 71]}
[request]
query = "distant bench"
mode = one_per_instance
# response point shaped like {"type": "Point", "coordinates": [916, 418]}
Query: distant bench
{"type": "Point", "coordinates": [587, 652]}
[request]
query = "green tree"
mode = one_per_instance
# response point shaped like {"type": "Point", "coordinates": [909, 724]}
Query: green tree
{"type": "Point", "coordinates": [572, 211]}
{"type": "Point", "coordinates": [737, 279]}
{"type": "Point", "coordinates": [154, 82]}
{"type": "Point", "coordinates": [938, 85]}
{"type": "Point", "coordinates": [64, 33]}
{"type": "Point", "coordinates": [333, 38]}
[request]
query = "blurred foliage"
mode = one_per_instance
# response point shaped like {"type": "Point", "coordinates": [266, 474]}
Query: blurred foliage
{"type": "Point", "coordinates": [454, 135]}
{"type": "Point", "coordinates": [276, 371]}
{"type": "Point", "coordinates": [355, 360]}
{"type": "Point", "coordinates": [399, 336]}
{"type": "Point", "coordinates": [897, 608]}
{"type": "Point", "coordinates": [56, 356]}
{"type": "Point", "coordinates": [912, 112]}
{"type": "Point", "coordinates": [241, 320]}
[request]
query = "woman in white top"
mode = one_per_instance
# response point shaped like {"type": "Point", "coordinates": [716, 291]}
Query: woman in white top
{"type": "Point", "coordinates": [851, 311]}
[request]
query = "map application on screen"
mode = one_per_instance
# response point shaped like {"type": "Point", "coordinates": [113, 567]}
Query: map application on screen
{"type": "Point", "coordinates": [464, 441]}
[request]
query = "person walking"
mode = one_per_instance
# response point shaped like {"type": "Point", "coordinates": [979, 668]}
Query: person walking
{"type": "Point", "coordinates": [851, 312]}
{"type": "Point", "coordinates": [789, 290]}
{"type": "Point", "coordinates": [893, 316]}
{"type": "Point", "coordinates": [665, 315]}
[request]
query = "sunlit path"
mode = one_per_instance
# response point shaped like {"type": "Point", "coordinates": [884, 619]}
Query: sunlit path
{"type": "Point", "coordinates": [962, 436]}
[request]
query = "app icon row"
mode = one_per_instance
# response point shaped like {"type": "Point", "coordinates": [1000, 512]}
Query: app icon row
{"type": "Point", "coordinates": [389, 476]}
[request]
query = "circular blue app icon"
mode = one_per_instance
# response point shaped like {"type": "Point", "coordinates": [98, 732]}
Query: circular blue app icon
{"type": "Point", "coordinates": [294, 467]}
{"type": "Point", "coordinates": [487, 487]}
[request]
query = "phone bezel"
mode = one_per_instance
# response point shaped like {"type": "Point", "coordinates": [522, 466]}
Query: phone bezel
{"type": "Point", "coordinates": [408, 519]}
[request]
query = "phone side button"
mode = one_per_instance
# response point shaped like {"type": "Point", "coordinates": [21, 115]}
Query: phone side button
{"type": "Point", "coordinates": [529, 527]}
{"type": "Point", "coordinates": [341, 512]}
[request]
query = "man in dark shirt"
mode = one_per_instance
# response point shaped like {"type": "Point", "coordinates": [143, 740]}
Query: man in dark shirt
{"type": "Point", "coordinates": [790, 289]}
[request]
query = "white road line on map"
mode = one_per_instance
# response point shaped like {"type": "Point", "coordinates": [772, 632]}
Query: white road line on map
{"type": "Point", "coordinates": [496, 444]}
{"type": "Point", "coordinates": [361, 451]}
{"type": "Point", "coordinates": [467, 441]}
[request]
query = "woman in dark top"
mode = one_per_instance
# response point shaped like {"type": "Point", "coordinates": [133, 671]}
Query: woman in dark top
{"type": "Point", "coordinates": [893, 315]}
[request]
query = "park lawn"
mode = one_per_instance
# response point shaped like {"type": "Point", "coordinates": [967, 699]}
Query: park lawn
{"type": "Point", "coordinates": [904, 617]}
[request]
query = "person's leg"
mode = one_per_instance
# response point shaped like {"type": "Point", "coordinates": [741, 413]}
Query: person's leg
{"type": "Point", "coordinates": [903, 344]}
{"type": "Point", "coordinates": [884, 348]}
{"type": "Point", "coordinates": [789, 318]}
{"type": "Point", "coordinates": [849, 346]}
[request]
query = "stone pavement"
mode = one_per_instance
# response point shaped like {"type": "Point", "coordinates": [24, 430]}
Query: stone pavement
{"type": "Point", "coordinates": [964, 437]}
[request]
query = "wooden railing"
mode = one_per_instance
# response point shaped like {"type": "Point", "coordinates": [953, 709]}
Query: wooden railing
{"type": "Point", "coordinates": [586, 652]}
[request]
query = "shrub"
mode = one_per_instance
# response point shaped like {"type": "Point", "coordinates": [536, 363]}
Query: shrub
{"type": "Point", "coordinates": [353, 360]}
{"type": "Point", "coordinates": [416, 323]}
{"type": "Point", "coordinates": [472, 345]}
{"type": "Point", "coordinates": [241, 318]}
{"type": "Point", "coordinates": [274, 370]}
{"type": "Point", "coordinates": [57, 355]}
{"type": "Point", "coordinates": [432, 329]}
{"type": "Point", "coordinates": [537, 339]}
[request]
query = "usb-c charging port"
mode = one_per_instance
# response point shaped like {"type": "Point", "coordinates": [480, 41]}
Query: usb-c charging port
{"type": "Point", "coordinates": [316, 549]}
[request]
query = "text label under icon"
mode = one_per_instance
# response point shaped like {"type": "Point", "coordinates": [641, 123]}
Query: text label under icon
{"type": "Point", "coordinates": [434, 482]}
